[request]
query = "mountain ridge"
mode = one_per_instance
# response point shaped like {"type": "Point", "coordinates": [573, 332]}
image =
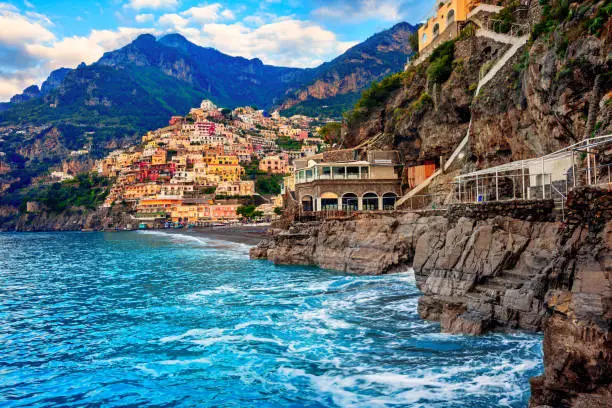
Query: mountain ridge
{"type": "Point", "coordinates": [229, 81]}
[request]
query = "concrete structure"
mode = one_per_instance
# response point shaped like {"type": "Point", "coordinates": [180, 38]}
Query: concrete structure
{"type": "Point", "coordinates": [349, 183]}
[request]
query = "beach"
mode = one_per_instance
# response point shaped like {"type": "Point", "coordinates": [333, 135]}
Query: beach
{"type": "Point", "coordinates": [243, 234]}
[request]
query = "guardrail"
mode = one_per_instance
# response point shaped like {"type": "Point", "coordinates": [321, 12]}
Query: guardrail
{"type": "Point", "coordinates": [506, 27]}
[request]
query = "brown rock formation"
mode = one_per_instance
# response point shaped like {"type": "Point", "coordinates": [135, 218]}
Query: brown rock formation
{"type": "Point", "coordinates": [495, 266]}
{"type": "Point", "coordinates": [73, 219]}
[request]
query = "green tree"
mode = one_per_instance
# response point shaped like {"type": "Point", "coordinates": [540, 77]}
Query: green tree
{"type": "Point", "coordinates": [331, 133]}
{"type": "Point", "coordinates": [268, 185]}
{"type": "Point", "coordinates": [249, 212]}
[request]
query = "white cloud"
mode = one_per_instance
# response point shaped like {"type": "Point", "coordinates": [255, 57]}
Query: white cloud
{"type": "Point", "coordinates": [18, 29]}
{"type": "Point", "coordinates": [144, 18]}
{"type": "Point", "coordinates": [173, 20]}
{"type": "Point", "coordinates": [362, 10]}
{"type": "Point", "coordinates": [11, 84]}
{"type": "Point", "coordinates": [29, 51]}
{"type": "Point", "coordinates": [228, 14]}
{"type": "Point", "coordinates": [287, 42]}
{"type": "Point", "coordinates": [70, 51]}
{"type": "Point", "coordinates": [208, 13]}
{"type": "Point", "coordinates": [152, 4]}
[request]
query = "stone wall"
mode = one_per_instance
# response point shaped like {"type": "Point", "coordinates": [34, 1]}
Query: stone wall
{"type": "Point", "coordinates": [529, 210]}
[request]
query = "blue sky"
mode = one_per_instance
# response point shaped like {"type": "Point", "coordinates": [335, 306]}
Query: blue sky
{"type": "Point", "coordinates": [38, 36]}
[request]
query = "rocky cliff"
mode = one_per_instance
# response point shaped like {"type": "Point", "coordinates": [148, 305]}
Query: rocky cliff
{"type": "Point", "coordinates": [73, 219]}
{"type": "Point", "coordinates": [537, 103]}
{"type": "Point", "coordinates": [488, 267]}
{"type": "Point", "coordinates": [337, 84]}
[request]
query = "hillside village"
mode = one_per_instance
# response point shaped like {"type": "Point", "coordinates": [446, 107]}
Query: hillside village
{"type": "Point", "coordinates": [203, 167]}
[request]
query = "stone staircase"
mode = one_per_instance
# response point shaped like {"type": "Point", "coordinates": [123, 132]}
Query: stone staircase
{"type": "Point", "coordinates": [516, 44]}
{"type": "Point", "coordinates": [484, 8]}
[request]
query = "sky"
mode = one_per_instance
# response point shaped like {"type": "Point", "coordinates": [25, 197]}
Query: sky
{"type": "Point", "coordinates": [38, 36]}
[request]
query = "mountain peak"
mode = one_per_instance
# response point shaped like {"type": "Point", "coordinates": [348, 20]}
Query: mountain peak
{"type": "Point", "coordinates": [144, 39]}
{"type": "Point", "coordinates": [174, 37]}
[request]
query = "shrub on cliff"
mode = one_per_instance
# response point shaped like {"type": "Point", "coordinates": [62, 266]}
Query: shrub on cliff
{"type": "Point", "coordinates": [441, 62]}
{"type": "Point", "coordinates": [331, 133]}
{"type": "Point", "coordinates": [85, 190]}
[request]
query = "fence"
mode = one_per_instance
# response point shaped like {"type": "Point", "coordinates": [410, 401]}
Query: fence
{"type": "Point", "coordinates": [548, 177]}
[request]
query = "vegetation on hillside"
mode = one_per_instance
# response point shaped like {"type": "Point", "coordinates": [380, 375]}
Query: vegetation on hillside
{"type": "Point", "coordinates": [441, 62]}
{"type": "Point", "coordinates": [286, 143]}
{"type": "Point", "coordinates": [249, 212]}
{"type": "Point", "coordinates": [86, 190]}
{"type": "Point", "coordinates": [265, 184]}
{"type": "Point", "coordinates": [331, 133]}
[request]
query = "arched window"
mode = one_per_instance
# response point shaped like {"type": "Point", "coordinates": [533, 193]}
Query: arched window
{"type": "Point", "coordinates": [424, 38]}
{"type": "Point", "coordinates": [370, 202]}
{"type": "Point", "coordinates": [307, 204]}
{"type": "Point", "coordinates": [436, 30]}
{"type": "Point", "coordinates": [450, 19]}
{"type": "Point", "coordinates": [349, 202]}
{"type": "Point", "coordinates": [389, 200]}
{"type": "Point", "coordinates": [329, 202]}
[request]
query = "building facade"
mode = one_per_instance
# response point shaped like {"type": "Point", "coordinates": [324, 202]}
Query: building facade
{"type": "Point", "coordinates": [445, 24]}
{"type": "Point", "coordinates": [349, 183]}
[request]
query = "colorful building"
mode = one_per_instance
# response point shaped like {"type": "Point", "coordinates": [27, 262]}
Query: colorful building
{"type": "Point", "coordinates": [445, 24]}
{"type": "Point", "coordinates": [274, 165]}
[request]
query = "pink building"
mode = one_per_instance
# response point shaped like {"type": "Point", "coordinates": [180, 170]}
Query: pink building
{"type": "Point", "coordinates": [204, 129]}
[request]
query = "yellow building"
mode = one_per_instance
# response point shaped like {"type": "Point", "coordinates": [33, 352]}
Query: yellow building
{"type": "Point", "coordinates": [157, 205]}
{"type": "Point", "coordinates": [137, 191]}
{"type": "Point", "coordinates": [221, 159]}
{"type": "Point", "coordinates": [159, 157]}
{"type": "Point", "coordinates": [225, 167]}
{"type": "Point", "coordinates": [226, 172]}
{"type": "Point", "coordinates": [444, 25]}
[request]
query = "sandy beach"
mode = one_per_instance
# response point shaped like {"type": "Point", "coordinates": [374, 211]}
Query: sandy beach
{"type": "Point", "coordinates": [244, 234]}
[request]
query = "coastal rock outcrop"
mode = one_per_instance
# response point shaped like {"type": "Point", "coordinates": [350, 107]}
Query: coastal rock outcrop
{"type": "Point", "coordinates": [499, 266]}
{"type": "Point", "coordinates": [73, 219]}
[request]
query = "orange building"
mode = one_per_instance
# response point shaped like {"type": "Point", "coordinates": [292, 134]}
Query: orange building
{"type": "Point", "coordinates": [274, 165]}
{"type": "Point", "coordinates": [444, 25]}
{"type": "Point", "coordinates": [159, 157]}
{"type": "Point", "coordinates": [157, 205]}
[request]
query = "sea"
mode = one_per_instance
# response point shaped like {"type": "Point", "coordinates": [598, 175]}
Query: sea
{"type": "Point", "coordinates": [152, 319]}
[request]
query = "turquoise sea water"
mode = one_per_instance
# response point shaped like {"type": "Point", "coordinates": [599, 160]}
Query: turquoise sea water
{"type": "Point", "coordinates": [149, 319]}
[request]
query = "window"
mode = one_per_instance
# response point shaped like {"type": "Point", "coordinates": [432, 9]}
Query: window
{"type": "Point", "coordinates": [338, 173]}
{"type": "Point", "coordinates": [450, 19]}
{"type": "Point", "coordinates": [352, 172]}
{"type": "Point", "coordinates": [424, 38]}
{"type": "Point", "coordinates": [436, 30]}
{"type": "Point", "coordinates": [370, 202]}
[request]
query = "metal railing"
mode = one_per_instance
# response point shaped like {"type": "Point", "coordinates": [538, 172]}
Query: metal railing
{"type": "Point", "coordinates": [426, 202]}
{"type": "Point", "coordinates": [506, 27]}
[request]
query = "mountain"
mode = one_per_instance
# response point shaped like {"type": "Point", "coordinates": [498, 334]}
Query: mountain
{"type": "Point", "coordinates": [335, 86]}
{"type": "Point", "coordinates": [111, 102]}
{"type": "Point", "coordinates": [163, 77]}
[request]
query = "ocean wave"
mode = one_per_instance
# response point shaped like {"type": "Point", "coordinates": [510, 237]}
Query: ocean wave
{"type": "Point", "coordinates": [217, 243]}
{"type": "Point", "coordinates": [206, 293]}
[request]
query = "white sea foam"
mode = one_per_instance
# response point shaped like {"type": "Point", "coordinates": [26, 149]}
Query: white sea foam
{"type": "Point", "coordinates": [185, 362]}
{"type": "Point", "coordinates": [250, 323]}
{"type": "Point", "coordinates": [192, 333]}
{"type": "Point", "coordinates": [236, 339]}
{"type": "Point", "coordinates": [203, 294]}
{"type": "Point", "coordinates": [207, 242]}
{"type": "Point", "coordinates": [322, 315]}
